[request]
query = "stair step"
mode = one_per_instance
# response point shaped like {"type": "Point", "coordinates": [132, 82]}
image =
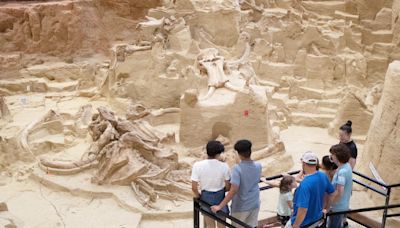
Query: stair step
{"type": "Point", "coordinates": [312, 115]}
{"type": "Point", "coordinates": [62, 86]}
{"type": "Point", "coordinates": [327, 8]}
{"type": "Point", "coordinates": [57, 71]}
{"type": "Point", "coordinates": [280, 98]}
{"type": "Point", "coordinates": [324, 103]}
{"type": "Point", "coordinates": [315, 110]}
{"type": "Point", "coordinates": [383, 32]}
{"type": "Point", "coordinates": [311, 119]}
{"type": "Point", "coordinates": [275, 12]}
{"type": "Point", "coordinates": [346, 16]}
{"type": "Point", "coordinates": [323, 110]}
{"type": "Point", "coordinates": [304, 93]}
{"type": "Point", "coordinates": [24, 85]}
{"type": "Point", "coordinates": [375, 25]}
{"type": "Point", "coordinates": [329, 103]}
{"type": "Point", "coordinates": [379, 36]}
{"type": "Point", "coordinates": [272, 71]}
{"type": "Point", "coordinates": [269, 83]}
{"type": "Point", "coordinates": [381, 49]}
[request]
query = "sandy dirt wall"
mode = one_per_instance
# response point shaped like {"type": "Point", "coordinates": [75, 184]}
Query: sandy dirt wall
{"type": "Point", "coordinates": [63, 28]}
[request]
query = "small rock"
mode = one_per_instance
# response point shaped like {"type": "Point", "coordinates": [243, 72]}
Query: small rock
{"type": "Point", "coordinates": [69, 59]}
{"type": "Point", "coordinates": [190, 97]}
{"type": "Point", "coordinates": [3, 206]}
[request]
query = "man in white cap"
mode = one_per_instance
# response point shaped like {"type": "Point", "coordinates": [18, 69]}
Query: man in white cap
{"type": "Point", "coordinates": [308, 201]}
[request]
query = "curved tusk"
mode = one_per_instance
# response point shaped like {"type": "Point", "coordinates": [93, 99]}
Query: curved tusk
{"type": "Point", "coordinates": [210, 92]}
{"type": "Point", "coordinates": [67, 171]}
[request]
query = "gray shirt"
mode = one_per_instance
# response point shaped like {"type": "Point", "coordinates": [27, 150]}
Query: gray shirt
{"type": "Point", "coordinates": [246, 175]}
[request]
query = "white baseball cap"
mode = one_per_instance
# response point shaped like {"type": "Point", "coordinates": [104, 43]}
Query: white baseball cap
{"type": "Point", "coordinates": [310, 158]}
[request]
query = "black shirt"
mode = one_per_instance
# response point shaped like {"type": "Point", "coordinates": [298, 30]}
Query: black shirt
{"type": "Point", "coordinates": [353, 149]}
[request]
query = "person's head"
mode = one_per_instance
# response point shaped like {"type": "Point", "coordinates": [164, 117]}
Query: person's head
{"type": "Point", "coordinates": [345, 132]}
{"type": "Point", "coordinates": [214, 148]}
{"type": "Point", "coordinates": [309, 161]}
{"type": "Point", "coordinates": [287, 184]}
{"type": "Point", "coordinates": [243, 147]}
{"type": "Point", "coordinates": [327, 164]}
{"type": "Point", "coordinates": [340, 153]}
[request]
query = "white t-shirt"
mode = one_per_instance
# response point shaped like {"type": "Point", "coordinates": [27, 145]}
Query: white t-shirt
{"type": "Point", "coordinates": [283, 207]}
{"type": "Point", "coordinates": [211, 174]}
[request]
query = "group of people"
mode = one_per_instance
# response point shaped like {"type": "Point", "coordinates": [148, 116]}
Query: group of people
{"type": "Point", "coordinates": [319, 188]}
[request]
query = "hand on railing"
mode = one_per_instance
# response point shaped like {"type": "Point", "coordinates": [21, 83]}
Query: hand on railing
{"type": "Point", "coordinates": [215, 208]}
{"type": "Point", "coordinates": [325, 211]}
{"type": "Point", "coordinates": [272, 183]}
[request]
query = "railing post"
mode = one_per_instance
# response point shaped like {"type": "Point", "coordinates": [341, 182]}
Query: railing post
{"type": "Point", "coordinates": [196, 213]}
{"type": "Point", "coordinates": [385, 211]}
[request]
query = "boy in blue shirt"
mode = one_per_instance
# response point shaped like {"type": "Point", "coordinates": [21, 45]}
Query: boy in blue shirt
{"type": "Point", "coordinates": [308, 201]}
{"type": "Point", "coordinates": [244, 191]}
{"type": "Point", "coordinates": [342, 182]}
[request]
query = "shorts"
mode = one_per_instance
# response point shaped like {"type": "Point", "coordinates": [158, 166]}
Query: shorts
{"type": "Point", "coordinates": [248, 217]}
{"type": "Point", "coordinates": [283, 219]}
{"type": "Point", "coordinates": [214, 198]}
{"type": "Point", "coordinates": [336, 221]}
{"type": "Point", "coordinates": [314, 225]}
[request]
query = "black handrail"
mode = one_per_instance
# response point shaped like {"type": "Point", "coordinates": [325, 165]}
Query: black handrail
{"type": "Point", "coordinates": [364, 209]}
{"type": "Point", "coordinates": [369, 187]}
{"type": "Point", "coordinates": [394, 185]}
{"type": "Point", "coordinates": [393, 215]}
{"type": "Point", "coordinates": [220, 213]}
{"type": "Point", "coordinates": [280, 175]}
{"type": "Point", "coordinates": [276, 177]}
{"type": "Point", "coordinates": [371, 179]}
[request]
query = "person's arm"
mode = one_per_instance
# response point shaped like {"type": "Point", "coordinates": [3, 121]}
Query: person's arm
{"type": "Point", "coordinates": [354, 153]}
{"type": "Point", "coordinates": [352, 162]}
{"type": "Point", "coordinates": [227, 185]}
{"type": "Point", "coordinates": [233, 190]}
{"type": "Point", "coordinates": [195, 189]}
{"type": "Point", "coordinates": [271, 183]}
{"type": "Point", "coordinates": [227, 178]}
{"type": "Point", "coordinates": [234, 187]}
{"type": "Point", "coordinates": [290, 204]}
{"type": "Point", "coordinates": [338, 193]}
{"type": "Point", "coordinates": [289, 200]}
{"type": "Point", "coordinates": [328, 202]}
{"type": "Point", "coordinates": [299, 177]}
{"type": "Point", "coordinates": [340, 183]}
{"type": "Point", "coordinates": [301, 214]}
{"type": "Point", "coordinates": [330, 194]}
{"type": "Point", "coordinates": [195, 180]}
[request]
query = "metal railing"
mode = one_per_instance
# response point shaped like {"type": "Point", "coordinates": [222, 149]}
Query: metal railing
{"type": "Point", "coordinates": [386, 194]}
{"type": "Point", "coordinates": [204, 208]}
{"type": "Point", "coordinates": [364, 210]}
